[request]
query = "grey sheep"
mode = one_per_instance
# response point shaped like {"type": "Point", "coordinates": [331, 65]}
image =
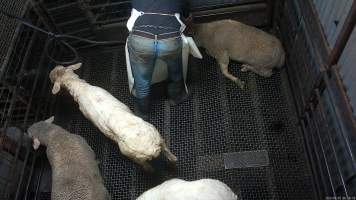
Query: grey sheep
{"type": "Point", "coordinates": [75, 172]}
{"type": "Point", "coordinates": [259, 51]}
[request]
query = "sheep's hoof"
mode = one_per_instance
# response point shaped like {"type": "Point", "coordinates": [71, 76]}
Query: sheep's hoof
{"type": "Point", "coordinates": [173, 159]}
{"type": "Point", "coordinates": [148, 168]}
{"type": "Point", "coordinates": [173, 166]}
{"type": "Point", "coordinates": [241, 84]}
{"type": "Point", "coordinates": [244, 69]}
{"type": "Point", "coordinates": [266, 73]}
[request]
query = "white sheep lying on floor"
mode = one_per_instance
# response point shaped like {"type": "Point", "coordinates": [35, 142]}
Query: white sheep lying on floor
{"type": "Point", "coordinates": [137, 139]}
{"type": "Point", "coordinates": [177, 189]}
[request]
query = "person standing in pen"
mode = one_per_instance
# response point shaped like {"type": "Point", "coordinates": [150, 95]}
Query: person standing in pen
{"type": "Point", "coordinates": [155, 29]}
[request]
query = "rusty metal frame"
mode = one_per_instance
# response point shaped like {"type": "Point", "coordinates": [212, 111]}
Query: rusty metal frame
{"type": "Point", "coordinates": [23, 158]}
{"type": "Point", "coordinates": [343, 36]}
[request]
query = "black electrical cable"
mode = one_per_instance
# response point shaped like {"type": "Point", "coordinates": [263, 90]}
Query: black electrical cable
{"type": "Point", "coordinates": [59, 38]}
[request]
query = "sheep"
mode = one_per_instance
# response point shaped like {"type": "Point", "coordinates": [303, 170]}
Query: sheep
{"type": "Point", "coordinates": [75, 172]}
{"type": "Point", "coordinates": [259, 51]}
{"type": "Point", "coordinates": [177, 189]}
{"type": "Point", "coordinates": [136, 138]}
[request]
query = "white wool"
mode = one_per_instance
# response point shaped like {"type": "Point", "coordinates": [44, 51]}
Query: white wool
{"type": "Point", "coordinates": [136, 138]}
{"type": "Point", "coordinates": [177, 189]}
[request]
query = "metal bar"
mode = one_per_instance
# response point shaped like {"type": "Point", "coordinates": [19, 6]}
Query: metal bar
{"type": "Point", "coordinates": [47, 104]}
{"type": "Point", "coordinates": [343, 36]}
{"type": "Point", "coordinates": [309, 151]}
{"type": "Point", "coordinates": [343, 112]}
{"type": "Point", "coordinates": [41, 64]}
{"type": "Point", "coordinates": [17, 68]}
{"type": "Point", "coordinates": [44, 17]}
{"type": "Point", "coordinates": [8, 144]}
{"type": "Point", "coordinates": [14, 38]}
{"type": "Point", "coordinates": [108, 4]}
{"type": "Point", "coordinates": [22, 174]}
{"type": "Point", "coordinates": [270, 11]}
{"type": "Point", "coordinates": [296, 81]}
{"type": "Point", "coordinates": [76, 20]}
{"type": "Point", "coordinates": [53, 9]}
{"type": "Point", "coordinates": [235, 9]}
{"type": "Point", "coordinates": [89, 14]}
{"type": "Point", "coordinates": [78, 31]}
{"type": "Point", "coordinates": [86, 46]}
{"type": "Point", "coordinates": [105, 22]}
{"type": "Point", "coordinates": [30, 176]}
{"type": "Point", "coordinates": [312, 152]}
{"type": "Point", "coordinates": [109, 13]}
{"type": "Point", "coordinates": [15, 60]}
{"type": "Point", "coordinates": [39, 180]}
{"type": "Point", "coordinates": [4, 109]}
{"type": "Point", "coordinates": [44, 87]}
{"type": "Point", "coordinates": [15, 115]}
{"type": "Point", "coordinates": [10, 88]}
{"type": "Point", "coordinates": [313, 127]}
{"type": "Point", "coordinates": [25, 59]}
{"type": "Point", "coordinates": [320, 112]}
{"type": "Point", "coordinates": [73, 42]}
{"type": "Point", "coordinates": [50, 17]}
{"type": "Point", "coordinates": [14, 164]}
{"type": "Point", "coordinates": [224, 5]}
{"type": "Point", "coordinates": [315, 30]}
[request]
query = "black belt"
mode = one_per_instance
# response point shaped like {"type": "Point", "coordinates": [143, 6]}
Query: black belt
{"type": "Point", "coordinates": [157, 37]}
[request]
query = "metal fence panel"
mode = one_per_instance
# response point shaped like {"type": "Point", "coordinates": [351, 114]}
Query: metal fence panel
{"type": "Point", "coordinates": [348, 70]}
{"type": "Point", "coordinates": [332, 14]}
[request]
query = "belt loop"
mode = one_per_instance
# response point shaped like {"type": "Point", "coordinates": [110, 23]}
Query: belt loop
{"type": "Point", "coordinates": [155, 39]}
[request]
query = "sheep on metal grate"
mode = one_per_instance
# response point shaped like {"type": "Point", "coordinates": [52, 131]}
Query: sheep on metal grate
{"type": "Point", "coordinates": [75, 172]}
{"type": "Point", "coordinates": [137, 139]}
{"type": "Point", "coordinates": [177, 189]}
{"type": "Point", "coordinates": [259, 51]}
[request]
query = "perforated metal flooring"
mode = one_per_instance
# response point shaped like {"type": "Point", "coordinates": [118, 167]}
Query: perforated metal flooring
{"type": "Point", "coordinates": [219, 118]}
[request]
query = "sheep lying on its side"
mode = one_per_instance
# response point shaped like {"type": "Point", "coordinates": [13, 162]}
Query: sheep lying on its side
{"type": "Point", "coordinates": [177, 189]}
{"type": "Point", "coordinates": [259, 51]}
{"type": "Point", "coordinates": [137, 139]}
{"type": "Point", "coordinates": [75, 172]}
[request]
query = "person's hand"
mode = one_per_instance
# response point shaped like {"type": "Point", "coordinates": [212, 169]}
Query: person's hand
{"type": "Point", "coordinates": [189, 19]}
{"type": "Point", "coordinates": [189, 25]}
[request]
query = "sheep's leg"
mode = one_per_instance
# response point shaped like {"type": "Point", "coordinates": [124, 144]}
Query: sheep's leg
{"type": "Point", "coordinates": [146, 166]}
{"type": "Point", "coordinates": [244, 68]}
{"type": "Point", "coordinates": [257, 70]}
{"type": "Point", "coordinates": [265, 72]}
{"type": "Point", "coordinates": [169, 155]}
{"type": "Point", "coordinates": [224, 64]}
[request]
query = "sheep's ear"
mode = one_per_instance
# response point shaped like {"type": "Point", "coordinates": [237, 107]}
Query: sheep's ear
{"type": "Point", "coordinates": [36, 143]}
{"type": "Point", "coordinates": [75, 67]}
{"type": "Point", "coordinates": [56, 87]}
{"type": "Point", "coordinates": [50, 120]}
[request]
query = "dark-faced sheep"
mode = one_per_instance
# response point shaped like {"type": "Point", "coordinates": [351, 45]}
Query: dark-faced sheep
{"type": "Point", "coordinates": [75, 172]}
{"type": "Point", "coordinates": [259, 51]}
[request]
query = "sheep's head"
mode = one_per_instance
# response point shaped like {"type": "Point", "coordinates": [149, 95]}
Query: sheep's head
{"type": "Point", "coordinates": [39, 132]}
{"type": "Point", "coordinates": [57, 74]}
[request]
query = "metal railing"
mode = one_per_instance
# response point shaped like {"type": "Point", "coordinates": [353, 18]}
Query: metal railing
{"type": "Point", "coordinates": [24, 99]}
{"type": "Point", "coordinates": [324, 109]}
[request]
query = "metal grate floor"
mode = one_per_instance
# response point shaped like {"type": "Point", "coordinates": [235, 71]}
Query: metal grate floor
{"type": "Point", "coordinates": [218, 118]}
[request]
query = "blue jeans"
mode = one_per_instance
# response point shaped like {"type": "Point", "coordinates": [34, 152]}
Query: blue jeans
{"type": "Point", "coordinates": [144, 52]}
